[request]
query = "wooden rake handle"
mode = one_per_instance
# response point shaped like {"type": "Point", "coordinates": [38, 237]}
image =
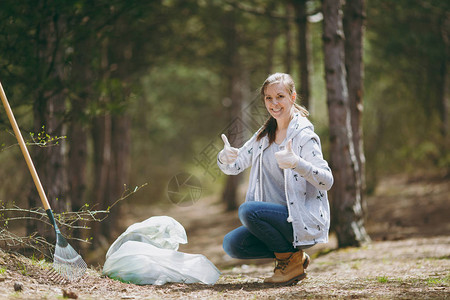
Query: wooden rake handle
{"type": "Point", "coordinates": [24, 149]}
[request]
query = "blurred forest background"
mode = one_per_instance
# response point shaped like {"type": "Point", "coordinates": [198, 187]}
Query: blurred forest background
{"type": "Point", "coordinates": [113, 93]}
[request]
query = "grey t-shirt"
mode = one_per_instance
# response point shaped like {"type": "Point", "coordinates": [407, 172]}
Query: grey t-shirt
{"type": "Point", "coordinates": [272, 177]}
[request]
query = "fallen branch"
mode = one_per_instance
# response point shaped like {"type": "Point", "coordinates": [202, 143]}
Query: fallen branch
{"type": "Point", "coordinates": [67, 221]}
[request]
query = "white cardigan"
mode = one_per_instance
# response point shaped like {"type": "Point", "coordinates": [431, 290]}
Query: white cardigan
{"type": "Point", "coordinates": [305, 185]}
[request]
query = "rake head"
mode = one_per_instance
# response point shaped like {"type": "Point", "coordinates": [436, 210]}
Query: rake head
{"type": "Point", "coordinates": [66, 261]}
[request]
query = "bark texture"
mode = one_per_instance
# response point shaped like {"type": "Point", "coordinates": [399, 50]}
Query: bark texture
{"type": "Point", "coordinates": [354, 17]}
{"type": "Point", "coordinates": [347, 214]}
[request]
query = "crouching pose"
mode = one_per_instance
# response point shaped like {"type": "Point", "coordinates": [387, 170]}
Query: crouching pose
{"type": "Point", "coordinates": [286, 209]}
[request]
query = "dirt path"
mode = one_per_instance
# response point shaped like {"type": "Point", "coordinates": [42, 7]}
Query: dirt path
{"type": "Point", "coordinates": [408, 259]}
{"type": "Point", "coordinates": [408, 269]}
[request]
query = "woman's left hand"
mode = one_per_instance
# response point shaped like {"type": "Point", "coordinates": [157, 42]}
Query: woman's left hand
{"type": "Point", "coordinates": [286, 158]}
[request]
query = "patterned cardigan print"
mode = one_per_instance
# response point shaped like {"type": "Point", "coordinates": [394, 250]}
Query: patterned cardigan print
{"type": "Point", "coordinates": [306, 185]}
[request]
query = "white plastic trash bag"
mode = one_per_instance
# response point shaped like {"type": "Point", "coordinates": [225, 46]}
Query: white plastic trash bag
{"type": "Point", "coordinates": [146, 253]}
{"type": "Point", "coordinates": [161, 231]}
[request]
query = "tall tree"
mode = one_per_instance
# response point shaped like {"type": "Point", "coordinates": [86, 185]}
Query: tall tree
{"type": "Point", "coordinates": [233, 73]}
{"type": "Point", "coordinates": [82, 87]}
{"type": "Point", "coordinates": [303, 53]}
{"type": "Point", "coordinates": [288, 57]}
{"type": "Point", "coordinates": [445, 98]}
{"type": "Point", "coordinates": [345, 195]}
{"type": "Point", "coordinates": [102, 148]}
{"type": "Point", "coordinates": [271, 38]}
{"type": "Point", "coordinates": [353, 22]}
{"type": "Point", "coordinates": [49, 107]}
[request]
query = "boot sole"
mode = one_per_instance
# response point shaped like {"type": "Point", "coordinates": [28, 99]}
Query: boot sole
{"type": "Point", "coordinates": [296, 279]}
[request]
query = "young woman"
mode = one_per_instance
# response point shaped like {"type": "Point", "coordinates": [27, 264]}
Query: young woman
{"type": "Point", "coordinates": [286, 208]}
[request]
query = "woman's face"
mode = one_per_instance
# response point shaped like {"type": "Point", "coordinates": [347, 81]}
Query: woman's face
{"type": "Point", "coordinates": [278, 102]}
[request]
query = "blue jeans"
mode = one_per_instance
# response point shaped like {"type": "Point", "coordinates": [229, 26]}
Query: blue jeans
{"type": "Point", "coordinates": [265, 230]}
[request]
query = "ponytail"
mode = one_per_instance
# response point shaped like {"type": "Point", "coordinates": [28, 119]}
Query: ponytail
{"type": "Point", "coordinates": [269, 128]}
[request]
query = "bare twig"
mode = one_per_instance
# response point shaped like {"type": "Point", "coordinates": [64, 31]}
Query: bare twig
{"type": "Point", "coordinates": [68, 220]}
{"type": "Point", "coordinates": [10, 240]}
{"type": "Point", "coordinates": [42, 140]}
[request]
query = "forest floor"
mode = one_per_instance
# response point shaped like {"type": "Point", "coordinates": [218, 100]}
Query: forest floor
{"type": "Point", "coordinates": [409, 257]}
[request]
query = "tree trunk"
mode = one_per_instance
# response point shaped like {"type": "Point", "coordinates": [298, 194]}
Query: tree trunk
{"type": "Point", "coordinates": [445, 98]}
{"type": "Point", "coordinates": [271, 39]}
{"type": "Point", "coordinates": [303, 53]}
{"type": "Point", "coordinates": [78, 128]}
{"type": "Point", "coordinates": [77, 161]}
{"type": "Point", "coordinates": [119, 172]}
{"type": "Point", "coordinates": [235, 139]}
{"type": "Point", "coordinates": [48, 111]}
{"type": "Point", "coordinates": [288, 60]}
{"type": "Point", "coordinates": [111, 135]}
{"type": "Point", "coordinates": [347, 216]}
{"type": "Point", "coordinates": [353, 29]}
{"type": "Point", "coordinates": [233, 70]}
{"type": "Point", "coordinates": [112, 139]}
{"type": "Point", "coordinates": [101, 135]}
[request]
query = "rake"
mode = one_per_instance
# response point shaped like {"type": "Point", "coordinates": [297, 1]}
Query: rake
{"type": "Point", "coordinates": [66, 261]}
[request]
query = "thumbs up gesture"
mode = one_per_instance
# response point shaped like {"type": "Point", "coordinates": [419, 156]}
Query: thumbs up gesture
{"type": "Point", "coordinates": [229, 154]}
{"type": "Point", "coordinates": [286, 158]}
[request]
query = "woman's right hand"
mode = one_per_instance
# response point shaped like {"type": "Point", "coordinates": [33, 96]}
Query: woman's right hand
{"type": "Point", "coordinates": [229, 154]}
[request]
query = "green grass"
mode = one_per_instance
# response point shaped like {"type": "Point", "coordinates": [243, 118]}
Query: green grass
{"type": "Point", "coordinates": [39, 262]}
{"type": "Point", "coordinates": [17, 295]}
{"type": "Point", "coordinates": [431, 281]}
{"type": "Point", "coordinates": [22, 268]}
{"type": "Point", "coordinates": [121, 280]}
{"type": "Point", "coordinates": [382, 279]}
{"type": "Point", "coordinates": [438, 258]}
{"type": "Point", "coordinates": [438, 280]}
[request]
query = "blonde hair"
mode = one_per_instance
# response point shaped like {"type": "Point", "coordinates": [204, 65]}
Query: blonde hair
{"type": "Point", "coordinates": [270, 126]}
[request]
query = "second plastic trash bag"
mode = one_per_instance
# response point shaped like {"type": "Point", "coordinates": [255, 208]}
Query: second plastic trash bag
{"type": "Point", "coordinates": [146, 253]}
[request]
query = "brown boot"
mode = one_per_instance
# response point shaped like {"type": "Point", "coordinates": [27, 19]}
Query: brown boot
{"type": "Point", "coordinates": [290, 268]}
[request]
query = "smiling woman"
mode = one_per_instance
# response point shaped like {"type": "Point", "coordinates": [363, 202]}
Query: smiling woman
{"type": "Point", "coordinates": [286, 208]}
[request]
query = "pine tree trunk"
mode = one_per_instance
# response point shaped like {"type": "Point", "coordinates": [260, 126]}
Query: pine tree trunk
{"type": "Point", "coordinates": [101, 135]}
{"type": "Point", "coordinates": [77, 162]}
{"type": "Point", "coordinates": [233, 72]}
{"type": "Point", "coordinates": [353, 29]}
{"type": "Point", "coordinates": [77, 165]}
{"type": "Point", "coordinates": [445, 98]}
{"type": "Point", "coordinates": [119, 172]}
{"type": "Point", "coordinates": [303, 53]}
{"type": "Point", "coordinates": [347, 215]}
{"type": "Point", "coordinates": [288, 57]}
{"type": "Point", "coordinates": [235, 139]}
{"type": "Point", "coordinates": [77, 138]}
{"type": "Point", "coordinates": [78, 126]}
{"type": "Point", "coordinates": [48, 111]}
{"type": "Point", "coordinates": [271, 39]}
